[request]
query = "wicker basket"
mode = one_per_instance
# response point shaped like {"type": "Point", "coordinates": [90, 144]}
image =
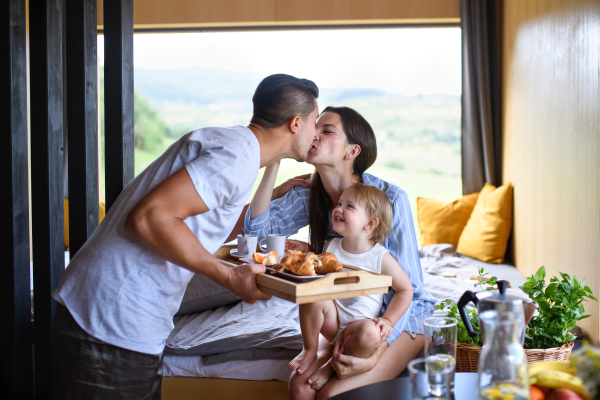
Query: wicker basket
{"type": "Point", "coordinates": [467, 356]}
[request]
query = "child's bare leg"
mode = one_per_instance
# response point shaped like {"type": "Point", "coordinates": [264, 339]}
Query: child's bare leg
{"type": "Point", "coordinates": [320, 378]}
{"type": "Point", "coordinates": [298, 386]}
{"type": "Point", "coordinates": [361, 338]}
{"type": "Point", "coordinates": [315, 318]}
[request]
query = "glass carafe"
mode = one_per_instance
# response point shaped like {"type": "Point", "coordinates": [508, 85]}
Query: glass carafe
{"type": "Point", "coordinates": [503, 370]}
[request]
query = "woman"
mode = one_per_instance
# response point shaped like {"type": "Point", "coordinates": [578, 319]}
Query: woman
{"type": "Point", "coordinates": [346, 148]}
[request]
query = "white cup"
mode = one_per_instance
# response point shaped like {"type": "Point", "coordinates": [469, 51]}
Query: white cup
{"type": "Point", "coordinates": [246, 245]}
{"type": "Point", "coordinates": [275, 242]}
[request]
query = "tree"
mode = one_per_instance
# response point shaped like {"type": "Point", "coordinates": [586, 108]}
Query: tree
{"type": "Point", "coordinates": [149, 129]}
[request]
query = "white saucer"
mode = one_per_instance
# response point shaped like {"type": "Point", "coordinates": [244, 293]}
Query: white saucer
{"type": "Point", "coordinates": [234, 253]}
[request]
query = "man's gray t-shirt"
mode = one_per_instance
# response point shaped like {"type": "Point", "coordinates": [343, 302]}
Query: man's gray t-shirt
{"type": "Point", "coordinates": [120, 291]}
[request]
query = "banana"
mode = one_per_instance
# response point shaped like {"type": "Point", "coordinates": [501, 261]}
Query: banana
{"type": "Point", "coordinates": [539, 366]}
{"type": "Point", "coordinates": [558, 379]}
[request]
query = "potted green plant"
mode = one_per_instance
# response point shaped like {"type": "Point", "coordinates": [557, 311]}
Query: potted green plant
{"type": "Point", "coordinates": [548, 335]}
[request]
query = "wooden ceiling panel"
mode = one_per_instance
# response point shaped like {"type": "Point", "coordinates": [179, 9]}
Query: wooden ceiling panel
{"type": "Point", "coordinates": [178, 14]}
{"type": "Point", "coordinates": [336, 10]}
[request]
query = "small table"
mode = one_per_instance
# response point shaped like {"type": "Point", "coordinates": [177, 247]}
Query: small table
{"type": "Point", "coordinates": [465, 388]}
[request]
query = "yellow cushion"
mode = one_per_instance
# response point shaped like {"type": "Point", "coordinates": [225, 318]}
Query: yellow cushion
{"type": "Point", "coordinates": [486, 234]}
{"type": "Point", "coordinates": [102, 211]}
{"type": "Point", "coordinates": [442, 222]}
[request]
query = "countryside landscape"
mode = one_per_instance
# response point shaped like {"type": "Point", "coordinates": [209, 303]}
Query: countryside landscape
{"type": "Point", "coordinates": [418, 136]}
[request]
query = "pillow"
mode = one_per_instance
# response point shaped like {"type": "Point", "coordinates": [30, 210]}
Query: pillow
{"type": "Point", "coordinates": [486, 234]}
{"type": "Point", "coordinates": [442, 222]}
{"type": "Point", "coordinates": [202, 293]}
{"type": "Point", "coordinates": [102, 211]}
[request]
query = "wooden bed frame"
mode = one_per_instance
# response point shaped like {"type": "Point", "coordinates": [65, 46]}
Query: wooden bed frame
{"type": "Point", "coordinates": [181, 388]}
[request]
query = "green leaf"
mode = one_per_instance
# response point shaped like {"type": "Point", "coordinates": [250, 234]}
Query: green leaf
{"type": "Point", "coordinates": [540, 274]}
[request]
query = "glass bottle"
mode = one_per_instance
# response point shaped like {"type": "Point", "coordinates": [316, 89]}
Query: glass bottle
{"type": "Point", "coordinates": [503, 373]}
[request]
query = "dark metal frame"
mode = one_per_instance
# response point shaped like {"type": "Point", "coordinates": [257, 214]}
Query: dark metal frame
{"type": "Point", "coordinates": [82, 120]}
{"type": "Point", "coordinates": [118, 97]}
{"type": "Point", "coordinates": [46, 101]}
{"type": "Point", "coordinates": [15, 339]}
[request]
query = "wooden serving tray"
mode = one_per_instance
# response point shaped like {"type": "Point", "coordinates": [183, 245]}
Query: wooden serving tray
{"type": "Point", "coordinates": [337, 285]}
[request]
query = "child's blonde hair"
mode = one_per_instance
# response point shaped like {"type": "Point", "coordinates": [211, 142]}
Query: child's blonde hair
{"type": "Point", "coordinates": [378, 206]}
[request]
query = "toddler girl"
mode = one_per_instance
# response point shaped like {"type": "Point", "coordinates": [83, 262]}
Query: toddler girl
{"type": "Point", "coordinates": [363, 217]}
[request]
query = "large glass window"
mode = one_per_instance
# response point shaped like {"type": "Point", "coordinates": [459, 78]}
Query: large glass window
{"type": "Point", "coordinates": [405, 82]}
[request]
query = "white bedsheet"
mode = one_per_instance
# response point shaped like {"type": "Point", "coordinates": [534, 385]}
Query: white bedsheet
{"type": "Point", "coordinates": [438, 259]}
{"type": "Point", "coordinates": [257, 370]}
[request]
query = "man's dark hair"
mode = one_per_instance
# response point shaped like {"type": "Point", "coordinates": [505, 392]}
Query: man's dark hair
{"type": "Point", "coordinates": [280, 97]}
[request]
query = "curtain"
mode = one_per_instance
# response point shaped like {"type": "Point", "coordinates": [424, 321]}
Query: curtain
{"type": "Point", "coordinates": [481, 113]}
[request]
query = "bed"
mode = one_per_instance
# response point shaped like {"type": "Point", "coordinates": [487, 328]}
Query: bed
{"type": "Point", "coordinates": [242, 351]}
{"type": "Point", "coordinates": [238, 350]}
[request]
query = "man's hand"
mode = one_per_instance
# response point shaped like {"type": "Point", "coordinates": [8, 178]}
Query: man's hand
{"type": "Point", "coordinates": [286, 186]}
{"type": "Point", "coordinates": [242, 282]}
{"type": "Point", "coordinates": [385, 327]}
{"type": "Point", "coordinates": [296, 245]}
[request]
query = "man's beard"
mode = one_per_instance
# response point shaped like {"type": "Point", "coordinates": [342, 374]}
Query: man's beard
{"type": "Point", "coordinates": [300, 152]}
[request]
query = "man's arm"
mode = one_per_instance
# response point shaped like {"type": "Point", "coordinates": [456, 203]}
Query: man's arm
{"type": "Point", "coordinates": [157, 221]}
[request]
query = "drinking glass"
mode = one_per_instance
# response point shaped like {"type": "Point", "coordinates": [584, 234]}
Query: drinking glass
{"type": "Point", "coordinates": [421, 377]}
{"type": "Point", "coordinates": [440, 341]}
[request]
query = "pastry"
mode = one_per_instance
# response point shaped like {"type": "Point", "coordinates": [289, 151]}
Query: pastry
{"type": "Point", "coordinates": [300, 264]}
{"type": "Point", "coordinates": [328, 264]}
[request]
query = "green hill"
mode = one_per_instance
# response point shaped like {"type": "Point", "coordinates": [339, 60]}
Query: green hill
{"type": "Point", "coordinates": [418, 137]}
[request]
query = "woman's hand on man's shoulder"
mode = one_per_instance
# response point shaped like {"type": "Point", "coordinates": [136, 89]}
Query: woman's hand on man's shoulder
{"type": "Point", "coordinates": [288, 185]}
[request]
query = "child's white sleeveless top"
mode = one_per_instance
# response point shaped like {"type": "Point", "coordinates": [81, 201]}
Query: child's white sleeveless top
{"type": "Point", "coordinates": [362, 307]}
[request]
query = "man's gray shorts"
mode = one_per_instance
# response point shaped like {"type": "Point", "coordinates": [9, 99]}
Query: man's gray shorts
{"type": "Point", "coordinates": [87, 368]}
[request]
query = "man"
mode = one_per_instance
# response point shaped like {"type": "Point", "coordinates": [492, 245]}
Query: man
{"type": "Point", "coordinates": [118, 296]}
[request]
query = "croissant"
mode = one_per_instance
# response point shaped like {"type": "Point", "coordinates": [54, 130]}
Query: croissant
{"type": "Point", "coordinates": [300, 264]}
{"type": "Point", "coordinates": [328, 264]}
{"type": "Point", "coordinates": [309, 264]}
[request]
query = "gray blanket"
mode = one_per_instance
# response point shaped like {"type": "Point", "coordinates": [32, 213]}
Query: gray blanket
{"type": "Point", "coordinates": [271, 324]}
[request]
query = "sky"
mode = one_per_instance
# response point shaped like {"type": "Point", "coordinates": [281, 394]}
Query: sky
{"type": "Point", "coordinates": [407, 61]}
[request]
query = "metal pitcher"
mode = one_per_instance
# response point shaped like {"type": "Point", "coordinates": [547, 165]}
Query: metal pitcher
{"type": "Point", "coordinates": [499, 301]}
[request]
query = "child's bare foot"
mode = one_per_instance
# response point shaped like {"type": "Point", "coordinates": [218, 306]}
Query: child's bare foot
{"type": "Point", "coordinates": [320, 378]}
{"type": "Point", "coordinates": [303, 361]}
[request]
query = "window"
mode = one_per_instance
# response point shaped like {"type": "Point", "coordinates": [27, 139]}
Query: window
{"type": "Point", "coordinates": [405, 82]}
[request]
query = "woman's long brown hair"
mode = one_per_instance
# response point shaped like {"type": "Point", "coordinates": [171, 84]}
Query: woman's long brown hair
{"type": "Point", "coordinates": [358, 131]}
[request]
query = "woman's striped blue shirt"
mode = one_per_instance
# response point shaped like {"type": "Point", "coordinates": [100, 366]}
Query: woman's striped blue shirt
{"type": "Point", "coordinates": [289, 214]}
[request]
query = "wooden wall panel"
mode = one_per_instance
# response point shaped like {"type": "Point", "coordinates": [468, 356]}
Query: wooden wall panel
{"type": "Point", "coordinates": [157, 14]}
{"type": "Point", "coordinates": [551, 134]}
